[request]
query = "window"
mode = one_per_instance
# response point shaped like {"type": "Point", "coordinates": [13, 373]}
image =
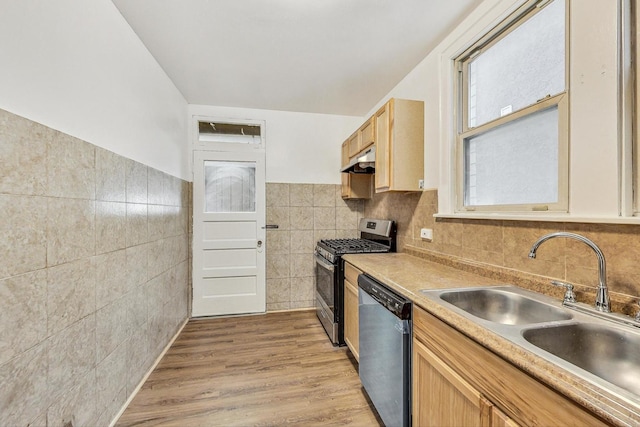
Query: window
{"type": "Point", "coordinates": [512, 114]}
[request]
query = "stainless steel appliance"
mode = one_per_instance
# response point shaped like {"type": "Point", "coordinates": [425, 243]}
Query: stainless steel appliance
{"type": "Point", "coordinates": [385, 350]}
{"type": "Point", "coordinates": [376, 235]}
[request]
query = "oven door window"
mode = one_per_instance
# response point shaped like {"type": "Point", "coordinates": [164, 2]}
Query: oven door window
{"type": "Point", "coordinates": [324, 280]}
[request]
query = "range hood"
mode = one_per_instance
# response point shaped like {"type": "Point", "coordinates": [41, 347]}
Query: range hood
{"type": "Point", "coordinates": [364, 163]}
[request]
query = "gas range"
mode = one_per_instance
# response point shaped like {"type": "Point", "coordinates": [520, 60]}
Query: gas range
{"type": "Point", "coordinates": [376, 236]}
{"type": "Point", "coordinates": [330, 249]}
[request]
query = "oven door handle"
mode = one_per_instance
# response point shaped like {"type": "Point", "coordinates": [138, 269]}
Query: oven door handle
{"type": "Point", "coordinates": [324, 263]}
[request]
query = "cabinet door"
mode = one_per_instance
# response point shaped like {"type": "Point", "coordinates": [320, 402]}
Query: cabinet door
{"type": "Point", "coordinates": [345, 189]}
{"type": "Point", "coordinates": [383, 147]}
{"type": "Point", "coordinates": [354, 144]}
{"type": "Point", "coordinates": [345, 154]}
{"type": "Point", "coordinates": [441, 397]}
{"type": "Point", "coordinates": [351, 319]}
{"type": "Point", "coordinates": [367, 133]}
{"type": "Point", "coordinates": [500, 419]}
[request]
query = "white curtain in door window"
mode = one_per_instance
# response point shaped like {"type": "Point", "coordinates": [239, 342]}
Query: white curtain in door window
{"type": "Point", "coordinates": [230, 186]}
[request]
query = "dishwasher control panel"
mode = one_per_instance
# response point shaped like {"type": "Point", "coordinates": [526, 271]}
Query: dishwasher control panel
{"type": "Point", "coordinates": [397, 304]}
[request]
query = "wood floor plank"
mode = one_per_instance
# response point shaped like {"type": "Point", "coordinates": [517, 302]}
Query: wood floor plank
{"type": "Point", "coordinates": [268, 370]}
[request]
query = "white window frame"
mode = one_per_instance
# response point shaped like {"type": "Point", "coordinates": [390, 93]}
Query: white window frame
{"type": "Point", "coordinates": [463, 132]}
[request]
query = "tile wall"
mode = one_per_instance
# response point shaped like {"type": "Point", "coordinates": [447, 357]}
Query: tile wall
{"type": "Point", "coordinates": [504, 245]}
{"type": "Point", "coordinates": [94, 275]}
{"type": "Point", "coordinates": [304, 213]}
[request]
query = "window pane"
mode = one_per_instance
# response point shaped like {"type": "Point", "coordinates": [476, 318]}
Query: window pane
{"type": "Point", "coordinates": [516, 163]}
{"type": "Point", "coordinates": [525, 66]}
{"type": "Point", "coordinates": [229, 186]}
{"type": "Point", "coordinates": [237, 133]}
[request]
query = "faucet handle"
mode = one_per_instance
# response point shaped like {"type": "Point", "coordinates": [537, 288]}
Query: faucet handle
{"type": "Point", "coordinates": [569, 295]}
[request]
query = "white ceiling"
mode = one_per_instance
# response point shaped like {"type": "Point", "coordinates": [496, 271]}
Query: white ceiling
{"type": "Point", "coordinates": [320, 56]}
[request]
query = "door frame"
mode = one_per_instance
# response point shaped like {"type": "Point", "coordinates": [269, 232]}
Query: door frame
{"type": "Point", "coordinates": [228, 148]}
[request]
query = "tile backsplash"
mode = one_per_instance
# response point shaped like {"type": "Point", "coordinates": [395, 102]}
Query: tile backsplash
{"type": "Point", "coordinates": [304, 213]}
{"type": "Point", "coordinates": [504, 245]}
{"type": "Point", "coordinates": [94, 275]}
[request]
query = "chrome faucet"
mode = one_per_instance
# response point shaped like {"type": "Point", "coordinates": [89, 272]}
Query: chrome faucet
{"type": "Point", "coordinates": [602, 295]}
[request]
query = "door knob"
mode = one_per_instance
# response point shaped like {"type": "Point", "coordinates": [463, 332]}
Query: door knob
{"type": "Point", "coordinates": [259, 243]}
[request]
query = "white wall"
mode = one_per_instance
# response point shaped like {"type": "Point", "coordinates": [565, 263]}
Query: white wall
{"type": "Point", "coordinates": [300, 147]}
{"type": "Point", "coordinates": [77, 66]}
{"type": "Point", "coordinates": [594, 136]}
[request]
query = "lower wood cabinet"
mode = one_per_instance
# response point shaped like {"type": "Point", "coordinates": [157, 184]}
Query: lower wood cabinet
{"type": "Point", "coordinates": [351, 334]}
{"type": "Point", "coordinates": [457, 382]}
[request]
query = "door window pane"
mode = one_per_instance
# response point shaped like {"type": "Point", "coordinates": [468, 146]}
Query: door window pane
{"type": "Point", "coordinates": [516, 163]}
{"type": "Point", "coordinates": [523, 67]}
{"type": "Point", "coordinates": [229, 186]}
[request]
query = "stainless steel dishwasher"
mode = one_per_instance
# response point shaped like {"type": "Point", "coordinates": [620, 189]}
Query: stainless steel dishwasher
{"type": "Point", "coordinates": [385, 350]}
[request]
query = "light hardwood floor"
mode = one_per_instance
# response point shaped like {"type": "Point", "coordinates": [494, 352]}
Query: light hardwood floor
{"type": "Point", "coordinates": [266, 370]}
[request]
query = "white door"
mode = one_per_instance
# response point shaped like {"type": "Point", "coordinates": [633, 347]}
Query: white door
{"type": "Point", "coordinates": [228, 233]}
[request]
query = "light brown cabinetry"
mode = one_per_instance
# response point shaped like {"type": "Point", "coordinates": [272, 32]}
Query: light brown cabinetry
{"type": "Point", "coordinates": [354, 186]}
{"type": "Point", "coordinates": [351, 333]}
{"type": "Point", "coordinates": [367, 134]}
{"type": "Point", "coordinates": [354, 144]}
{"type": "Point", "coordinates": [399, 139]}
{"type": "Point", "coordinates": [458, 382]}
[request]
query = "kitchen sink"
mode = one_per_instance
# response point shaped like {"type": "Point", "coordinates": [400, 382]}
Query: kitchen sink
{"type": "Point", "coordinates": [504, 306]}
{"type": "Point", "coordinates": [593, 348]}
{"type": "Point", "coordinates": [606, 351]}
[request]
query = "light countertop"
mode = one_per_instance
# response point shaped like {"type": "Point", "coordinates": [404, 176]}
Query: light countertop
{"type": "Point", "coordinates": [408, 275]}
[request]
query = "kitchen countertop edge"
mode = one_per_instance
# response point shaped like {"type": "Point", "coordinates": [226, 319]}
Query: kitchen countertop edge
{"type": "Point", "coordinates": [408, 275]}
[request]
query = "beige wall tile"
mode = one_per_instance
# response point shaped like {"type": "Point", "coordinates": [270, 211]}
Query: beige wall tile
{"type": "Point", "coordinates": [23, 225]}
{"type": "Point", "coordinates": [302, 289]}
{"type": "Point", "coordinates": [278, 290]}
{"type": "Point", "coordinates": [71, 168]}
{"type": "Point", "coordinates": [71, 293]}
{"type": "Point", "coordinates": [302, 242]}
{"type": "Point", "coordinates": [136, 224]}
{"type": "Point", "coordinates": [277, 266]}
{"type": "Point", "coordinates": [111, 378]}
{"type": "Point", "coordinates": [277, 194]}
{"type": "Point", "coordinates": [302, 265]}
{"type": "Point", "coordinates": [278, 215]}
{"type": "Point", "coordinates": [111, 280]}
{"type": "Point", "coordinates": [112, 328]}
{"type": "Point", "coordinates": [136, 182]}
{"type": "Point", "coordinates": [110, 176]}
{"type": "Point", "coordinates": [301, 218]}
{"type": "Point", "coordinates": [278, 306]}
{"type": "Point", "coordinates": [24, 394]}
{"type": "Point", "coordinates": [155, 184]}
{"type": "Point", "coordinates": [324, 218]}
{"type": "Point", "coordinates": [111, 223]}
{"type": "Point", "coordinates": [324, 195]}
{"type": "Point", "coordinates": [70, 230]}
{"type": "Point", "coordinates": [347, 218]}
{"type": "Point", "coordinates": [69, 356]}
{"type": "Point", "coordinates": [301, 195]}
{"type": "Point", "coordinates": [278, 242]}
{"type": "Point", "coordinates": [23, 155]}
{"type": "Point", "coordinates": [64, 304]}
{"type": "Point", "coordinates": [155, 222]}
{"type": "Point", "coordinates": [23, 313]}
{"type": "Point", "coordinates": [78, 405]}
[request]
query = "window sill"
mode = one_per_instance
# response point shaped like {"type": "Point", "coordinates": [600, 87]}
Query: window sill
{"type": "Point", "coordinates": [541, 217]}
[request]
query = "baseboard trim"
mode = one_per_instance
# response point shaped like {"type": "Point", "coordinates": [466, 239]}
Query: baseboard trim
{"type": "Point", "coordinates": [146, 376]}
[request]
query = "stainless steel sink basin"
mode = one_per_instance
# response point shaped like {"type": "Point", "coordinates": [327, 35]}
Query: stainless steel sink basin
{"type": "Point", "coordinates": [608, 352]}
{"type": "Point", "coordinates": [504, 306]}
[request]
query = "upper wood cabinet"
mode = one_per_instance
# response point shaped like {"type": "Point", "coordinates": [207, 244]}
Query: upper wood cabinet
{"type": "Point", "coordinates": [354, 144]}
{"type": "Point", "coordinates": [354, 186]}
{"type": "Point", "coordinates": [367, 134]}
{"type": "Point", "coordinates": [345, 154]}
{"type": "Point", "coordinates": [399, 139]}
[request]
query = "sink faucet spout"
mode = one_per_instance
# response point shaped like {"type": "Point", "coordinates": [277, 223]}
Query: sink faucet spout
{"type": "Point", "coordinates": [602, 295]}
